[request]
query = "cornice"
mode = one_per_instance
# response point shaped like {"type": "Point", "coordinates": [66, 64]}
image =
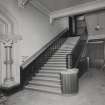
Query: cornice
{"type": "Point", "coordinates": [79, 9]}
{"type": "Point", "coordinates": [74, 10]}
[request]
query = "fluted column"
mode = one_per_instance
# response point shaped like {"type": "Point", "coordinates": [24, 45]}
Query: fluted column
{"type": "Point", "coordinates": [9, 66]}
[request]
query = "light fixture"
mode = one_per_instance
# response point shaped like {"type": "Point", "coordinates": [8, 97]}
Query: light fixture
{"type": "Point", "coordinates": [97, 28]}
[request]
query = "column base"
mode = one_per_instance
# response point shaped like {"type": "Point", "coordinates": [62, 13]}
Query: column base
{"type": "Point", "coordinates": [9, 83]}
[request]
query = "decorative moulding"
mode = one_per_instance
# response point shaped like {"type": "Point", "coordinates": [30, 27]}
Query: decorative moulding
{"type": "Point", "coordinates": [79, 9]}
{"type": "Point", "coordinates": [22, 3]}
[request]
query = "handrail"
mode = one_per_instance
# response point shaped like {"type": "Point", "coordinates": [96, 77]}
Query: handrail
{"type": "Point", "coordinates": [76, 64]}
{"type": "Point", "coordinates": [69, 57]}
{"type": "Point", "coordinates": [74, 57]}
{"type": "Point", "coordinates": [80, 47]}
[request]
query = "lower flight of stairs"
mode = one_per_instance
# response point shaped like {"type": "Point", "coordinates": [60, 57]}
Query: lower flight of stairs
{"type": "Point", "coordinates": [48, 77]}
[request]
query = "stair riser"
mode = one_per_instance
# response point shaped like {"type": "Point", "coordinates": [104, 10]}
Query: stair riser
{"type": "Point", "coordinates": [58, 93]}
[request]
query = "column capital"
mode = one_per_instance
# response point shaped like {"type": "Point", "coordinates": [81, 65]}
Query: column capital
{"type": "Point", "coordinates": [8, 43]}
{"type": "Point", "coordinates": [9, 39]}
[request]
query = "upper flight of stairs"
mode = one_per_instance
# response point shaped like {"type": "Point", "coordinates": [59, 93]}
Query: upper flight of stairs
{"type": "Point", "coordinates": [48, 77]}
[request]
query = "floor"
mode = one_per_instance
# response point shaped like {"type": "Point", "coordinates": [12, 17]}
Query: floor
{"type": "Point", "coordinates": [91, 92]}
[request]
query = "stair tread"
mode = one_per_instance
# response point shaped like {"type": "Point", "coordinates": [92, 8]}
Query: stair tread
{"type": "Point", "coordinates": [68, 50]}
{"type": "Point", "coordinates": [47, 74]}
{"type": "Point", "coordinates": [51, 71]}
{"type": "Point", "coordinates": [53, 68]}
{"type": "Point", "coordinates": [61, 53]}
{"type": "Point", "coordinates": [67, 47]}
{"type": "Point", "coordinates": [46, 79]}
{"type": "Point", "coordinates": [44, 89]}
{"type": "Point", "coordinates": [59, 57]}
{"type": "Point", "coordinates": [54, 65]}
{"type": "Point", "coordinates": [55, 62]}
{"type": "Point", "coordinates": [46, 83]}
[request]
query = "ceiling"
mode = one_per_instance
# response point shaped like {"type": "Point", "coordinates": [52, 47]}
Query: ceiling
{"type": "Point", "coordinates": [53, 5]}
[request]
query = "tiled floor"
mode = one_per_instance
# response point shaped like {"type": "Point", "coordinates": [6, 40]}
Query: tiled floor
{"type": "Point", "coordinates": [91, 92]}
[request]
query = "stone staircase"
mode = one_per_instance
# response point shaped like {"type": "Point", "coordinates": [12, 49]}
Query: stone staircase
{"type": "Point", "coordinates": [48, 77]}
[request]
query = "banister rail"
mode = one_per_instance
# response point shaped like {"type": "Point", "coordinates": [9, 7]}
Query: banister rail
{"type": "Point", "coordinates": [74, 57]}
{"type": "Point", "coordinates": [49, 44]}
{"type": "Point", "coordinates": [80, 54]}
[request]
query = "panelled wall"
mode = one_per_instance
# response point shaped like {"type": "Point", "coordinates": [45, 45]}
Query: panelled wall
{"type": "Point", "coordinates": [96, 19]}
{"type": "Point", "coordinates": [96, 35]}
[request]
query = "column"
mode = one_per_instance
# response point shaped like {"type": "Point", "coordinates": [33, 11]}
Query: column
{"type": "Point", "coordinates": [9, 80]}
{"type": "Point", "coordinates": [9, 65]}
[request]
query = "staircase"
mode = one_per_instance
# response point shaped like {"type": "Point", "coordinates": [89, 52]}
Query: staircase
{"type": "Point", "coordinates": [48, 77]}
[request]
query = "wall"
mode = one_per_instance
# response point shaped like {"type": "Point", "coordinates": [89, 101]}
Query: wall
{"type": "Point", "coordinates": [34, 27]}
{"type": "Point", "coordinates": [93, 19]}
